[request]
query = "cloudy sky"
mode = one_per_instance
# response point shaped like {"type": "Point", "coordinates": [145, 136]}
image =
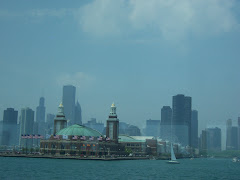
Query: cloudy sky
{"type": "Point", "coordinates": [136, 53]}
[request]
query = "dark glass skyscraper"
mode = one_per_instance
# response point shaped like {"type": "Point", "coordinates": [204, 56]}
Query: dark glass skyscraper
{"type": "Point", "coordinates": [181, 120]}
{"type": "Point", "coordinates": [165, 125]}
{"type": "Point", "coordinates": [68, 100]}
{"type": "Point", "coordinates": [9, 133]}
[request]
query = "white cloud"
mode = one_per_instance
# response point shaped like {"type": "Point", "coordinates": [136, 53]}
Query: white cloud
{"type": "Point", "coordinates": [172, 19]}
{"type": "Point", "coordinates": [78, 79]}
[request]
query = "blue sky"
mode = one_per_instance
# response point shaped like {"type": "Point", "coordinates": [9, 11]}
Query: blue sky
{"type": "Point", "coordinates": [136, 53]}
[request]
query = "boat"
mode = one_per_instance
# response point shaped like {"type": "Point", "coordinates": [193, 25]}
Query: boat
{"type": "Point", "coordinates": [235, 159]}
{"type": "Point", "coordinates": [173, 157]}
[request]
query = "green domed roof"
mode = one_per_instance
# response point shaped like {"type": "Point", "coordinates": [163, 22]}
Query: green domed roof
{"type": "Point", "coordinates": [78, 130]}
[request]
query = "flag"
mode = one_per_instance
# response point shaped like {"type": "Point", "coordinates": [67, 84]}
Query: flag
{"type": "Point", "coordinates": [56, 136]}
{"type": "Point", "coordinates": [74, 137]}
{"type": "Point", "coordinates": [65, 136]}
{"type": "Point", "coordinates": [100, 139]}
{"type": "Point", "coordinates": [30, 136]}
{"type": "Point", "coordinates": [91, 138]}
{"type": "Point", "coordinates": [83, 138]}
{"type": "Point", "coordinates": [34, 136]}
{"type": "Point", "coordinates": [24, 136]}
{"type": "Point", "coordinates": [108, 139]}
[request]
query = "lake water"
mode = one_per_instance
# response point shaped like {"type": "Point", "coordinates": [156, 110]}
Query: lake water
{"type": "Point", "coordinates": [32, 168]}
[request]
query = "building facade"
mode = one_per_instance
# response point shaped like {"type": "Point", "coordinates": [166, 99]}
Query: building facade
{"type": "Point", "coordinates": [181, 120]}
{"type": "Point", "coordinates": [68, 100]}
{"type": "Point", "coordinates": [166, 119]}
{"type": "Point", "coordinates": [194, 129]}
{"type": "Point", "coordinates": [26, 127]}
{"type": "Point", "coordinates": [9, 127]}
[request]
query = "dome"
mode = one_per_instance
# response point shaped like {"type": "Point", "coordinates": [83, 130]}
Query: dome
{"type": "Point", "coordinates": [78, 130]}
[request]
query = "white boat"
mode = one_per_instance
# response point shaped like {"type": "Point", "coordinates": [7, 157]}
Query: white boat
{"type": "Point", "coordinates": [173, 157]}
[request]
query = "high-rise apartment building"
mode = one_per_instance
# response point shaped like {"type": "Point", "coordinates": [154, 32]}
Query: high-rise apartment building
{"type": "Point", "coordinates": [214, 139]}
{"type": "Point", "coordinates": [78, 114]}
{"type": "Point", "coordinates": [165, 125]}
{"type": "Point", "coordinates": [181, 119]}
{"type": "Point", "coordinates": [26, 126]}
{"type": "Point", "coordinates": [229, 134]}
{"type": "Point", "coordinates": [68, 100]}
{"type": "Point", "coordinates": [194, 129]}
{"type": "Point", "coordinates": [40, 118]}
{"type": "Point", "coordinates": [152, 128]}
{"type": "Point", "coordinates": [9, 127]}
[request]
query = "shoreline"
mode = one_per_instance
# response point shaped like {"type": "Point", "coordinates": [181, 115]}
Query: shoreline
{"type": "Point", "coordinates": [74, 157]}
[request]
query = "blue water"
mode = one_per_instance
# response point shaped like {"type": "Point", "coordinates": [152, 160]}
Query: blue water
{"type": "Point", "coordinates": [32, 168]}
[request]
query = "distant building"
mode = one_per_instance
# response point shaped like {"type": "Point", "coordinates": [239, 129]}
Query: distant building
{"type": "Point", "coordinates": [60, 122]}
{"type": "Point", "coordinates": [238, 133]}
{"type": "Point", "coordinates": [112, 130]}
{"type": "Point", "coordinates": [78, 114]}
{"type": "Point", "coordinates": [68, 100]}
{"type": "Point", "coordinates": [234, 138]}
{"type": "Point", "coordinates": [50, 123]}
{"type": "Point", "coordinates": [214, 139]}
{"type": "Point", "coordinates": [203, 141]}
{"type": "Point", "coordinates": [127, 129]}
{"type": "Point", "coordinates": [9, 127]}
{"type": "Point", "coordinates": [26, 126]}
{"type": "Point", "coordinates": [194, 129]}
{"type": "Point", "coordinates": [229, 134]}
{"type": "Point", "coordinates": [40, 117]}
{"type": "Point", "coordinates": [152, 128]}
{"type": "Point", "coordinates": [95, 125]}
{"type": "Point", "coordinates": [166, 119]}
{"type": "Point", "coordinates": [181, 120]}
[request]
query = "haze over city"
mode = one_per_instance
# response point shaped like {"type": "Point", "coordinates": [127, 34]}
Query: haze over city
{"type": "Point", "coordinates": [113, 53]}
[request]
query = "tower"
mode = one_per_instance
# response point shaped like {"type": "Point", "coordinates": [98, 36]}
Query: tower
{"type": "Point", "coordinates": [26, 126]}
{"type": "Point", "coordinates": [68, 101]}
{"type": "Point", "coordinates": [40, 117]}
{"type": "Point", "coordinates": [9, 133]}
{"type": "Point", "coordinates": [194, 129]}
{"type": "Point", "coordinates": [229, 134]}
{"type": "Point", "coordinates": [112, 130]}
{"type": "Point", "coordinates": [181, 120]}
{"type": "Point", "coordinates": [78, 114]}
{"type": "Point", "coordinates": [60, 121]}
{"type": "Point", "coordinates": [165, 125]}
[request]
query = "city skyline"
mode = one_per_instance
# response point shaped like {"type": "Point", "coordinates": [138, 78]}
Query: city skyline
{"type": "Point", "coordinates": [122, 59]}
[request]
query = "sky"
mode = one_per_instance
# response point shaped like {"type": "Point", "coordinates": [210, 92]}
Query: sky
{"type": "Point", "coordinates": [135, 53]}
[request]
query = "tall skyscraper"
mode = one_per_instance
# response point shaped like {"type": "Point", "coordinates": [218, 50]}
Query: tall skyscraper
{"type": "Point", "coordinates": [60, 121]}
{"type": "Point", "coordinates": [40, 117]}
{"type": "Point", "coordinates": [78, 114]}
{"type": "Point", "coordinates": [165, 125]}
{"type": "Point", "coordinates": [68, 101]}
{"type": "Point", "coordinates": [26, 126]}
{"type": "Point", "coordinates": [9, 130]}
{"type": "Point", "coordinates": [229, 134]}
{"type": "Point", "coordinates": [214, 139]}
{"type": "Point", "coordinates": [194, 129]}
{"type": "Point", "coordinates": [152, 128]}
{"type": "Point", "coordinates": [234, 138]}
{"type": "Point", "coordinates": [50, 123]}
{"type": "Point", "coordinates": [181, 120]}
{"type": "Point", "coordinates": [112, 130]}
{"type": "Point", "coordinates": [238, 133]}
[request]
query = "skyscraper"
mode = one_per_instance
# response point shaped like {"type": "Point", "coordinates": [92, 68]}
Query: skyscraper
{"type": "Point", "coordinates": [238, 133]}
{"type": "Point", "coordinates": [78, 114]}
{"type": "Point", "coordinates": [112, 130]}
{"type": "Point", "coordinates": [152, 128]}
{"type": "Point", "coordinates": [213, 139]}
{"type": "Point", "coordinates": [229, 134]}
{"type": "Point", "coordinates": [68, 101]}
{"type": "Point", "coordinates": [26, 126]}
{"type": "Point", "coordinates": [9, 133]}
{"type": "Point", "coordinates": [194, 129]}
{"type": "Point", "coordinates": [165, 125]}
{"type": "Point", "coordinates": [181, 120]}
{"type": "Point", "coordinates": [40, 117]}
